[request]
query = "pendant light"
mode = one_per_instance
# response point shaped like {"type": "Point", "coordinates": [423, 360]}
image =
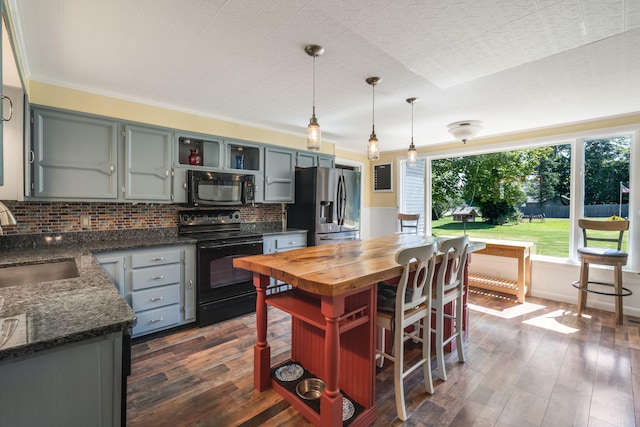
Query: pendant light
{"type": "Point", "coordinates": [465, 130]}
{"type": "Point", "coordinates": [373, 150]}
{"type": "Point", "coordinates": [313, 130]}
{"type": "Point", "coordinates": [412, 154]}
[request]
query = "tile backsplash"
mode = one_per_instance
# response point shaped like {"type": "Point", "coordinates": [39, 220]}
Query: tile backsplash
{"type": "Point", "coordinates": [63, 217]}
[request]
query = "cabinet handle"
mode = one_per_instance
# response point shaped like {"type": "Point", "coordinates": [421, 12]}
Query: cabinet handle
{"type": "Point", "coordinates": [10, 109]}
{"type": "Point", "coordinates": [158, 259]}
{"type": "Point", "coordinates": [156, 320]}
{"type": "Point", "coordinates": [157, 299]}
{"type": "Point", "coordinates": [112, 169]}
{"type": "Point", "coordinates": [166, 172]}
{"type": "Point", "coordinates": [190, 284]}
{"type": "Point", "coordinates": [32, 155]}
{"type": "Point", "coordinates": [157, 277]}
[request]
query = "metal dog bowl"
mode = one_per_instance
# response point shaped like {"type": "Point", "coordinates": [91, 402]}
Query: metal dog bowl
{"type": "Point", "coordinates": [310, 388]}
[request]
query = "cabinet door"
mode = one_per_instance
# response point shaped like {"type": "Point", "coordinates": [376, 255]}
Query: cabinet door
{"type": "Point", "coordinates": [189, 294]}
{"type": "Point", "coordinates": [306, 159]}
{"type": "Point", "coordinates": [74, 156]}
{"type": "Point", "coordinates": [114, 267]}
{"type": "Point", "coordinates": [268, 244]}
{"type": "Point", "coordinates": [279, 172]}
{"type": "Point", "coordinates": [147, 161]}
{"type": "Point", "coordinates": [326, 161]}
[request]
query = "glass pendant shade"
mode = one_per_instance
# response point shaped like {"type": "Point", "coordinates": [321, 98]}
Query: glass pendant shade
{"type": "Point", "coordinates": [412, 154]}
{"type": "Point", "coordinates": [313, 130]}
{"type": "Point", "coordinates": [373, 148]}
{"type": "Point", "coordinates": [313, 134]}
{"type": "Point", "coordinates": [373, 151]}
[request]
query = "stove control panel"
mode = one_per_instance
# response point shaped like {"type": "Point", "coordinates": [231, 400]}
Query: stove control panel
{"type": "Point", "coordinates": [205, 217]}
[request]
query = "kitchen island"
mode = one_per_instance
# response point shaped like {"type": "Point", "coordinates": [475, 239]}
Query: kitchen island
{"type": "Point", "coordinates": [332, 306]}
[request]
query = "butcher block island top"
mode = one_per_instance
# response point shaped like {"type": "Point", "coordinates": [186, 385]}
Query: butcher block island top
{"type": "Point", "coordinates": [332, 303]}
{"type": "Point", "coordinates": [331, 270]}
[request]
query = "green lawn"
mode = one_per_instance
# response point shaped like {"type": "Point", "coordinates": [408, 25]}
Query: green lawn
{"type": "Point", "coordinates": [550, 237]}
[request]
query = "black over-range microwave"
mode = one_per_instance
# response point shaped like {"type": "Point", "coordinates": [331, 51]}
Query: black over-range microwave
{"type": "Point", "coordinates": [219, 189]}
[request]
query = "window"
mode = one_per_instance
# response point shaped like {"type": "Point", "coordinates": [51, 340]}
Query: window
{"type": "Point", "coordinates": [606, 178]}
{"type": "Point", "coordinates": [525, 194]}
{"type": "Point", "coordinates": [413, 194]}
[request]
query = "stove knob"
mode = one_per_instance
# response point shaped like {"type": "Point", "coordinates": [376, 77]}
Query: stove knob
{"type": "Point", "coordinates": [230, 216]}
{"type": "Point", "coordinates": [237, 215]}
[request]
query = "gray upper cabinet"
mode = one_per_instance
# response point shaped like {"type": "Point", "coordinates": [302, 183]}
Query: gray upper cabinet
{"type": "Point", "coordinates": [91, 158]}
{"type": "Point", "coordinates": [326, 161]}
{"type": "Point", "coordinates": [279, 175]}
{"type": "Point", "coordinates": [242, 156]}
{"type": "Point", "coordinates": [74, 156]}
{"type": "Point", "coordinates": [308, 159]}
{"type": "Point", "coordinates": [147, 159]}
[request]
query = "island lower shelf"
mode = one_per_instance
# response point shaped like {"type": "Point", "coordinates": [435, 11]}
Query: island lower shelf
{"type": "Point", "coordinates": [309, 328]}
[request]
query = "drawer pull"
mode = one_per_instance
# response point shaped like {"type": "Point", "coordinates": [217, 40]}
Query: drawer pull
{"type": "Point", "coordinates": [158, 259]}
{"type": "Point", "coordinates": [157, 299]}
{"type": "Point", "coordinates": [156, 320]}
{"type": "Point", "coordinates": [157, 277]}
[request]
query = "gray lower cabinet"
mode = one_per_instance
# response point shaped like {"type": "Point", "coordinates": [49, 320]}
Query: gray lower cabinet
{"type": "Point", "coordinates": [77, 384]}
{"type": "Point", "coordinates": [147, 159]}
{"type": "Point", "coordinates": [279, 175]}
{"type": "Point", "coordinates": [158, 283]}
{"type": "Point", "coordinates": [73, 156]}
{"type": "Point", "coordinates": [282, 242]}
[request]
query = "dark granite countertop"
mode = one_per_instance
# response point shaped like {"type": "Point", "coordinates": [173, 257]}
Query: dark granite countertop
{"type": "Point", "coordinates": [56, 313]}
{"type": "Point", "coordinates": [60, 312]}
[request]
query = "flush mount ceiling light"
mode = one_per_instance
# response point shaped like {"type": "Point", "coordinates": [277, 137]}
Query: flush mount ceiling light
{"type": "Point", "coordinates": [465, 129]}
{"type": "Point", "coordinates": [412, 154]}
{"type": "Point", "coordinates": [373, 150]}
{"type": "Point", "coordinates": [313, 130]}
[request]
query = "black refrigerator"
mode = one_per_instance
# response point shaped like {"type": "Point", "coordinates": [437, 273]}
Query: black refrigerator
{"type": "Point", "coordinates": [327, 205]}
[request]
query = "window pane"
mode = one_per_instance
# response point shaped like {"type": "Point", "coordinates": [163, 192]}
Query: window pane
{"type": "Point", "coordinates": [606, 179]}
{"type": "Point", "coordinates": [520, 195]}
{"type": "Point", "coordinates": [413, 191]}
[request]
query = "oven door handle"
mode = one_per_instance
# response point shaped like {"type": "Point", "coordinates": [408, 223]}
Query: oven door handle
{"type": "Point", "coordinates": [225, 245]}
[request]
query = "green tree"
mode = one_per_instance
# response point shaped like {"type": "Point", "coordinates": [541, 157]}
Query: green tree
{"type": "Point", "coordinates": [446, 191]}
{"type": "Point", "coordinates": [492, 182]}
{"type": "Point", "coordinates": [606, 165]}
{"type": "Point", "coordinates": [553, 173]}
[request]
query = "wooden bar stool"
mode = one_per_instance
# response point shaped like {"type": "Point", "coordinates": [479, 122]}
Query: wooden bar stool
{"type": "Point", "coordinates": [616, 258]}
{"type": "Point", "coordinates": [409, 221]}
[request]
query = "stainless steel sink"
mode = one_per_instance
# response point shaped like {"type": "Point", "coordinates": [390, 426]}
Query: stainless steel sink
{"type": "Point", "coordinates": [34, 273]}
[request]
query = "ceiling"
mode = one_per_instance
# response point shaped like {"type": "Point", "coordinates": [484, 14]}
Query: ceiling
{"type": "Point", "coordinates": [513, 64]}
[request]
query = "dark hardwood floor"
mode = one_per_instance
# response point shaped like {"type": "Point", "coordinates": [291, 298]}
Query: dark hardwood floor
{"type": "Point", "coordinates": [532, 364]}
